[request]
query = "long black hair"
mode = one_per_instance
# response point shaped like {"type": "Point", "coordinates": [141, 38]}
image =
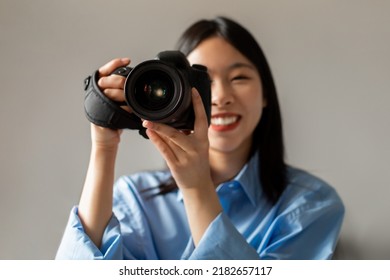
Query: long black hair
{"type": "Point", "coordinates": [268, 135]}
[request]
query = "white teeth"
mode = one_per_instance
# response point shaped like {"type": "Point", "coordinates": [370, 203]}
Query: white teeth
{"type": "Point", "coordinates": [223, 121]}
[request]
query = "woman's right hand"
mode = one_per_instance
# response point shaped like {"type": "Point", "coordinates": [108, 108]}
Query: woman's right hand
{"type": "Point", "coordinates": [112, 86]}
{"type": "Point", "coordinates": [95, 207]}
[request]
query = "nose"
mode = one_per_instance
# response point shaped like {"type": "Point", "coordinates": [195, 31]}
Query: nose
{"type": "Point", "coordinates": [221, 94]}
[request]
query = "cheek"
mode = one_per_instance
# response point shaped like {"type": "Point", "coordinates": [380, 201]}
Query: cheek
{"type": "Point", "coordinates": [255, 115]}
{"type": "Point", "coordinates": [254, 104]}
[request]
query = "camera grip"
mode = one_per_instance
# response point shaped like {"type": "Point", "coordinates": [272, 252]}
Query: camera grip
{"type": "Point", "coordinates": [102, 111]}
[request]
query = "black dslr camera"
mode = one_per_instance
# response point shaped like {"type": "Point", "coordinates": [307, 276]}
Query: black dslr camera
{"type": "Point", "coordinates": [158, 90]}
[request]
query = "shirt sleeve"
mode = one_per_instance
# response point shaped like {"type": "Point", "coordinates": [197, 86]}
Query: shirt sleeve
{"type": "Point", "coordinates": [76, 244]}
{"type": "Point", "coordinates": [305, 230]}
{"type": "Point", "coordinates": [126, 236]}
{"type": "Point", "coordinates": [222, 241]}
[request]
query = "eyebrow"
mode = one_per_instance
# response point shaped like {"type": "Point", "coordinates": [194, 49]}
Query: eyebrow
{"type": "Point", "coordinates": [240, 65]}
{"type": "Point", "coordinates": [236, 65]}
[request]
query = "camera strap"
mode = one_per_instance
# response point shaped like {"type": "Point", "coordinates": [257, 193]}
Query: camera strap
{"type": "Point", "coordinates": [102, 111]}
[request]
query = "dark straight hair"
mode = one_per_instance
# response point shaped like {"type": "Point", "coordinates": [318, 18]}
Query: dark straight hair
{"type": "Point", "coordinates": [268, 135]}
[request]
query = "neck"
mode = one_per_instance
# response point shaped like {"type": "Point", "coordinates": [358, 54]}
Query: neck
{"type": "Point", "coordinates": [226, 165]}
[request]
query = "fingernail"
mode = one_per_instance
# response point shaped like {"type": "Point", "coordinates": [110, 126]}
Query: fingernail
{"type": "Point", "coordinates": [125, 60]}
{"type": "Point", "coordinates": [100, 81]}
{"type": "Point", "coordinates": [147, 124]}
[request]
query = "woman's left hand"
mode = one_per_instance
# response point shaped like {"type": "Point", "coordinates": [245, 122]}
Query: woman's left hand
{"type": "Point", "coordinates": [187, 155]}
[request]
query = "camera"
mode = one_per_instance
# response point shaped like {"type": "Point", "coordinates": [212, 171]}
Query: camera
{"type": "Point", "coordinates": [158, 90]}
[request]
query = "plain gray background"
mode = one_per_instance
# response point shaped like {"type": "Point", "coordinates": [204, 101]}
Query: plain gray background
{"type": "Point", "coordinates": [331, 64]}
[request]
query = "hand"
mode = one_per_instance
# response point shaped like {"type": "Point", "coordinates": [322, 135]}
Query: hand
{"type": "Point", "coordinates": [187, 156]}
{"type": "Point", "coordinates": [112, 86]}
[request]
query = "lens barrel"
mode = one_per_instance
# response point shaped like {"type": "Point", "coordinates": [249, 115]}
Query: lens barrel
{"type": "Point", "coordinates": [157, 91]}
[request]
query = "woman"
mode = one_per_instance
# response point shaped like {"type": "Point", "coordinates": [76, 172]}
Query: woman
{"type": "Point", "coordinates": [234, 196]}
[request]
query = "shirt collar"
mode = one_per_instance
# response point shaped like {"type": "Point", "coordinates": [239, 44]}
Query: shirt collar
{"type": "Point", "coordinates": [248, 179]}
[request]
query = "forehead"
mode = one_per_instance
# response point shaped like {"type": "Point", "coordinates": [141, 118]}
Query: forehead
{"type": "Point", "coordinates": [218, 55]}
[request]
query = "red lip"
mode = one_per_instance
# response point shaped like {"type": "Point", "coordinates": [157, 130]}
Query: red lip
{"type": "Point", "coordinates": [224, 128]}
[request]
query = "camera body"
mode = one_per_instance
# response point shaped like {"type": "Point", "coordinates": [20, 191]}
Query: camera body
{"type": "Point", "coordinates": [158, 90]}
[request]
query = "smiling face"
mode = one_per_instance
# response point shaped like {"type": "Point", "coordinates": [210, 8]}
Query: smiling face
{"type": "Point", "coordinates": [237, 96]}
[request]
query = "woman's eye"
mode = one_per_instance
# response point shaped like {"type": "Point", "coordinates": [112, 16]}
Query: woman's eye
{"type": "Point", "coordinates": [238, 78]}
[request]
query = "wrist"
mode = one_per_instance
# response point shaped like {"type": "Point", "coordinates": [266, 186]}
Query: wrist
{"type": "Point", "coordinates": [202, 207]}
{"type": "Point", "coordinates": [105, 139]}
{"type": "Point", "coordinates": [104, 148]}
{"type": "Point", "coordinates": [103, 157]}
{"type": "Point", "coordinates": [202, 198]}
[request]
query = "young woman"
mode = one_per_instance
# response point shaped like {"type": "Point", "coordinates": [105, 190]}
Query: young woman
{"type": "Point", "coordinates": [233, 196]}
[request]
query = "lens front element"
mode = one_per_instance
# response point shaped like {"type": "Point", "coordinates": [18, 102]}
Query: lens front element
{"type": "Point", "coordinates": [154, 90]}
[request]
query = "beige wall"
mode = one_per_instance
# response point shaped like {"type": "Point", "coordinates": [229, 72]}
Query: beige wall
{"type": "Point", "coordinates": [331, 63]}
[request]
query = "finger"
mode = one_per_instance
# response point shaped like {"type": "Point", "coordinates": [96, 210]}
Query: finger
{"type": "Point", "coordinates": [109, 67]}
{"type": "Point", "coordinates": [115, 94]}
{"type": "Point", "coordinates": [113, 81]}
{"type": "Point", "coordinates": [201, 124]}
{"type": "Point", "coordinates": [126, 108]}
{"type": "Point", "coordinates": [171, 134]}
{"type": "Point", "coordinates": [161, 145]}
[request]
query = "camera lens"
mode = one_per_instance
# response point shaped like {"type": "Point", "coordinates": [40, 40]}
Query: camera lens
{"type": "Point", "coordinates": [154, 90]}
{"type": "Point", "coordinates": [157, 91]}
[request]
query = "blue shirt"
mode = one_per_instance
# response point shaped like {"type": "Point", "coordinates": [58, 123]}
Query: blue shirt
{"type": "Point", "coordinates": [303, 224]}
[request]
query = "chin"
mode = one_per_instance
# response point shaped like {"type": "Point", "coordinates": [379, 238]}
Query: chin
{"type": "Point", "coordinates": [228, 143]}
{"type": "Point", "coordinates": [224, 145]}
